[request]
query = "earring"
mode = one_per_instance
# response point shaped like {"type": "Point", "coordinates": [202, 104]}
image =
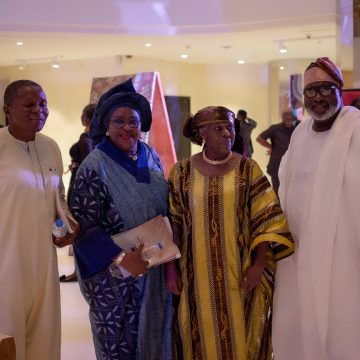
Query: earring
{"type": "Point", "coordinates": [204, 143]}
{"type": "Point", "coordinates": [107, 133]}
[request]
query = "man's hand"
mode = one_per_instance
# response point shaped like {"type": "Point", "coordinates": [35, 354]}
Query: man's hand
{"type": "Point", "coordinates": [69, 238]}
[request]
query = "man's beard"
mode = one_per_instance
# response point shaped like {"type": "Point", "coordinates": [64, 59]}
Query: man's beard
{"type": "Point", "coordinates": [329, 113]}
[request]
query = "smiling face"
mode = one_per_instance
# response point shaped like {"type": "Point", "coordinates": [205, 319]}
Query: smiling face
{"type": "Point", "coordinates": [322, 107]}
{"type": "Point", "coordinates": [27, 112]}
{"type": "Point", "coordinates": [124, 129]}
{"type": "Point", "coordinates": [219, 138]}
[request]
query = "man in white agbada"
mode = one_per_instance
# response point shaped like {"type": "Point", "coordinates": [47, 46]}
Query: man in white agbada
{"type": "Point", "coordinates": [30, 176]}
{"type": "Point", "coordinates": [317, 290]}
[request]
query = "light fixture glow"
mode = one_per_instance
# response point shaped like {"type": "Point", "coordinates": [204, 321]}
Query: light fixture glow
{"type": "Point", "coordinates": [282, 47]}
{"type": "Point", "coordinates": [55, 64]}
{"type": "Point", "coordinates": [148, 45]}
{"type": "Point", "coordinates": [184, 56]}
{"type": "Point", "coordinates": [19, 43]}
{"type": "Point", "coordinates": [282, 67]}
{"type": "Point", "coordinates": [21, 64]}
{"type": "Point", "coordinates": [241, 61]}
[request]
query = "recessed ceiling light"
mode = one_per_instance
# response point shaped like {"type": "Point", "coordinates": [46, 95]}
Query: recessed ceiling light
{"type": "Point", "coordinates": [282, 67]}
{"type": "Point", "coordinates": [283, 50]}
{"type": "Point", "coordinates": [241, 61]}
{"type": "Point", "coordinates": [19, 43]}
{"type": "Point", "coordinates": [148, 45]}
{"type": "Point", "coordinates": [184, 56]}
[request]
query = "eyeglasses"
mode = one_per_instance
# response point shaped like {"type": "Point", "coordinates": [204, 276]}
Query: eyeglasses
{"type": "Point", "coordinates": [324, 90]}
{"type": "Point", "coordinates": [118, 123]}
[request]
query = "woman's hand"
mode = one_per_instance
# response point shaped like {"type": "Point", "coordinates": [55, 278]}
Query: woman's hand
{"type": "Point", "coordinates": [134, 263]}
{"type": "Point", "coordinates": [253, 277]}
{"type": "Point", "coordinates": [69, 238]}
{"type": "Point", "coordinates": [173, 279]}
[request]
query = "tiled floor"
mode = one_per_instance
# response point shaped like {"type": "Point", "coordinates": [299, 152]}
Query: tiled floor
{"type": "Point", "coordinates": [76, 334]}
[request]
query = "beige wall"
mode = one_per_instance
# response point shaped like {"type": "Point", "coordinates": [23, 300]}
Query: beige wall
{"type": "Point", "coordinates": [235, 86]}
{"type": "Point", "coordinates": [348, 79]}
{"type": "Point", "coordinates": [68, 89]}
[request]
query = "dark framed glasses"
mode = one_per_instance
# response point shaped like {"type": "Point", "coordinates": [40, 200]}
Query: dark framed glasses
{"type": "Point", "coordinates": [323, 90]}
{"type": "Point", "coordinates": [118, 123]}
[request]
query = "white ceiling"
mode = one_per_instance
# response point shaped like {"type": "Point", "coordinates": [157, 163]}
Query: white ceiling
{"type": "Point", "coordinates": [209, 31]}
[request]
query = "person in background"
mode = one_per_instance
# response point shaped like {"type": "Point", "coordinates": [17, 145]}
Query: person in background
{"type": "Point", "coordinates": [316, 307]}
{"type": "Point", "coordinates": [279, 136]}
{"type": "Point", "coordinates": [82, 148]}
{"type": "Point", "coordinates": [224, 216]}
{"type": "Point", "coordinates": [78, 153]}
{"type": "Point", "coordinates": [243, 129]}
{"type": "Point", "coordinates": [356, 102]}
{"type": "Point", "coordinates": [119, 186]}
{"type": "Point", "coordinates": [30, 178]}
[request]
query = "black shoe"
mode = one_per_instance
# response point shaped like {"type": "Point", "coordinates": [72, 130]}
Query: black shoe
{"type": "Point", "coordinates": [68, 278]}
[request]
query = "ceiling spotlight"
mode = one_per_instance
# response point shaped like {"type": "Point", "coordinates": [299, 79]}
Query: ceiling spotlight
{"type": "Point", "coordinates": [282, 47]}
{"type": "Point", "coordinates": [148, 45]}
{"type": "Point", "coordinates": [55, 64]}
{"type": "Point", "coordinates": [19, 43]}
{"type": "Point", "coordinates": [184, 56]}
{"type": "Point", "coordinates": [282, 68]}
{"type": "Point", "coordinates": [241, 61]}
{"type": "Point", "coordinates": [21, 66]}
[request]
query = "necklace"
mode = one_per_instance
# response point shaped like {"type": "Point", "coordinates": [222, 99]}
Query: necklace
{"type": "Point", "coordinates": [216, 162]}
{"type": "Point", "coordinates": [133, 157]}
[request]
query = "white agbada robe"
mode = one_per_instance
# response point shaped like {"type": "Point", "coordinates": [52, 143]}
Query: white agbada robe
{"type": "Point", "coordinates": [317, 290]}
{"type": "Point", "coordinates": [29, 285]}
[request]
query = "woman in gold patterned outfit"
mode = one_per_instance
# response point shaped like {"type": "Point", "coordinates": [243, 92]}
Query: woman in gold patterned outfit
{"type": "Point", "coordinates": [228, 223]}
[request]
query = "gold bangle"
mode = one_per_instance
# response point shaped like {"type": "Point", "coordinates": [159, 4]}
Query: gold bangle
{"type": "Point", "coordinates": [119, 258]}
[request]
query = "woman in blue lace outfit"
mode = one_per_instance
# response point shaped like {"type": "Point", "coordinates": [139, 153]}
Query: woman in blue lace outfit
{"type": "Point", "coordinates": [119, 186]}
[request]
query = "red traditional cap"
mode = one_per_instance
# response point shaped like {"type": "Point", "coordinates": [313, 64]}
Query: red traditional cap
{"type": "Point", "coordinates": [323, 69]}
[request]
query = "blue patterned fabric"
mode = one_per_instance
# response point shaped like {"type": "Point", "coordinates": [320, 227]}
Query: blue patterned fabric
{"type": "Point", "coordinates": [114, 314]}
{"type": "Point", "coordinates": [130, 318]}
{"type": "Point", "coordinates": [92, 203]}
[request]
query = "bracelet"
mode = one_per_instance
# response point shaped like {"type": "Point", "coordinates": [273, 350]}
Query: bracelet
{"type": "Point", "coordinates": [119, 258]}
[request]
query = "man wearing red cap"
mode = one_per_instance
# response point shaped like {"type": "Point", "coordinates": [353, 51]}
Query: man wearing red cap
{"type": "Point", "coordinates": [317, 290]}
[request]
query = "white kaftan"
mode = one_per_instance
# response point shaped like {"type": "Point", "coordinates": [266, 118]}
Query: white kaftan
{"type": "Point", "coordinates": [30, 174]}
{"type": "Point", "coordinates": [317, 290]}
